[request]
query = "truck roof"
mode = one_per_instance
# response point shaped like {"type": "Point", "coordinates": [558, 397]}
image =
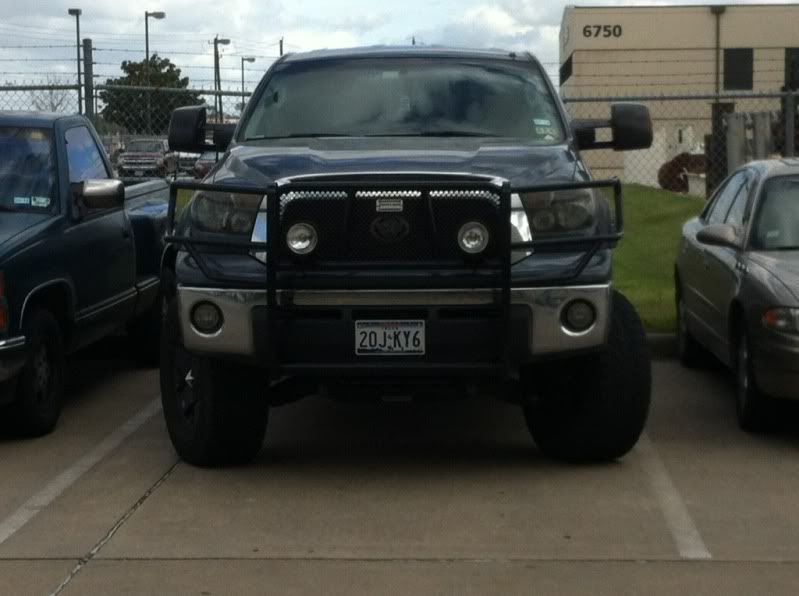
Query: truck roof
{"type": "Point", "coordinates": [33, 119]}
{"type": "Point", "coordinates": [406, 52]}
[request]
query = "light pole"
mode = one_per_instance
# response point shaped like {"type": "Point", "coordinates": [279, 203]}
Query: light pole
{"type": "Point", "coordinates": [76, 12]}
{"type": "Point", "coordinates": [156, 15]}
{"type": "Point", "coordinates": [217, 77]}
{"type": "Point", "coordinates": [243, 60]}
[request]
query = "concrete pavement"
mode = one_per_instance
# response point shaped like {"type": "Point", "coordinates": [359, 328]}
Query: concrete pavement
{"type": "Point", "coordinates": [446, 498]}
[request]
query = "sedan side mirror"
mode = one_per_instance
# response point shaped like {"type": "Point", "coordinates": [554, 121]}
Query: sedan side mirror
{"type": "Point", "coordinates": [96, 194]}
{"type": "Point", "coordinates": [720, 235]}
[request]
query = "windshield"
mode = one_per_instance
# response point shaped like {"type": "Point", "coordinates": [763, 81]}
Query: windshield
{"type": "Point", "coordinates": [777, 224]}
{"type": "Point", "coordinates": [27, 175]}
{"type": "Point", "coordinates": [406, 97]}
{"type": "Point", "coordinates": [145, 147]}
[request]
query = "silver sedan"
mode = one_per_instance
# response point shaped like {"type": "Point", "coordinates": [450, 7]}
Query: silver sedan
{"type": "Point", "coordinates": [737, 285]}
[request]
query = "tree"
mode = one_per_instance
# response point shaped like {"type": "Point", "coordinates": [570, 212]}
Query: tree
{"type": "Point", "coordinates": [50, 99]}
{"type": "Point", "coordinates": [129, 108]}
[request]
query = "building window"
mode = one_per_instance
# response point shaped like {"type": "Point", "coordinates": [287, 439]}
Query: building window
{"type": "Point", "coordinates": [566, 70]}
{"type": "Point", "coordinates": [738, 69]}
{"type": "Point", "coordinates": [792, 68]}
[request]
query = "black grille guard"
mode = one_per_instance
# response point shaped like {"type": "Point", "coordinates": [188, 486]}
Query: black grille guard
{"type": "Point", "coordinates": [501, 271]}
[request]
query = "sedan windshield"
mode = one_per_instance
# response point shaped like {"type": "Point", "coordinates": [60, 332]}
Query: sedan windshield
{"type": "Point", "coordinates": [406, 97]}
{"type": "Point", "coordinates": [27, 175]}
{"type": "Point", "coordinates": [777, 224]}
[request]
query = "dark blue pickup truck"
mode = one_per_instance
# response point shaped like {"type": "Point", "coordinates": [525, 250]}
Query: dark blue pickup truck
{"type": "Point", "coordinates": [402, 223]}
{"type": "Point", "coordinates": [79, 259]}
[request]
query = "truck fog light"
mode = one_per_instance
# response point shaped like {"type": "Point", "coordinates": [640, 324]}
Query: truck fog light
{"type": "Point", "coordinates": [473, 238]}
{"type": "Point", "coordinates": [206, 318]}
{"type": "Point", "coordinates": [578, 316]}
{"type": "Point", "coordinates": [301, 238]}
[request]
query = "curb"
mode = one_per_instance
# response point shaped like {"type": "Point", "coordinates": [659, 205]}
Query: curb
{"type": "Point", "coordinates": [662, 345]}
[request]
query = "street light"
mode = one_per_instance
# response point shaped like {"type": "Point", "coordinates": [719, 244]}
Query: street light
{"type": "Point", "coordinates": [147, 15]}
{"type": "Point", "coordinates": [76, 12]}
{"type": "Point", "coordinates": [243, 60]}
{"type": "Point", "coordinates": [217, 77]}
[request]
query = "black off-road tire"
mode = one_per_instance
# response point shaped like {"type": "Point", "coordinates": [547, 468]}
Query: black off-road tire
{"type": "Point", "coordinates": [754, 411]}
{"type": "Point", "coordinates": [594, 408]}
{"type": "Point", "coordinates": [40, 384]}
{"type": "Point", "coordinates": [690, 352]}
{"type": "Point", "coordinates": [215, 415]}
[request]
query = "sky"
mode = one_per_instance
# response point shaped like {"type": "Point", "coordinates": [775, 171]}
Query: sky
{"type": "Point", "coordinates": [256, 26]}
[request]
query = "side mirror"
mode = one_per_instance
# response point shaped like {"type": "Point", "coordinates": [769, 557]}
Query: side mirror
{"type": "Point", "coordinates": [187, 129]}
{"type": "Point", "coordinates": [630, 125]}
{"type": "Point", "coordinates": [96, 194]}
{"type": "Point", "coordinates": [720, 235]}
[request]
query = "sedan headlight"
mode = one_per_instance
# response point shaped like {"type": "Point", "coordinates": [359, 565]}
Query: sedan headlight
{"type": "Point", "coordinates": [782, 319]}
{"type": "Point", "coordinates": [223, 212]}
{"type": "Point", "coordinates": [559, 212]}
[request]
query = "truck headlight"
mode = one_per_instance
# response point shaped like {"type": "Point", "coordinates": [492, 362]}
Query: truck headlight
{"type": "Point", "coordinates": [560, 212]}
{"type": "Point", "coordinates": [302, 238]}
{"type": "Point", "coordinates": [473, 238]}
{"type": "Point", "coordinates": [224, 212]}
{"type": "Point", "coordinates": [782, 319]}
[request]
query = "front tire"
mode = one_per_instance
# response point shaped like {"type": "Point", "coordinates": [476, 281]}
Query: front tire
{"type": "Point", "coordinates": [752, 408]}
{"type": "Point", "coordinates": [594, 408]}
{"type": "Point", "coordinates": [40, 385]}
{"type": "Point", "coordinates": [212, 409]}
{"type": "Point", "coordinates": [690, 352]}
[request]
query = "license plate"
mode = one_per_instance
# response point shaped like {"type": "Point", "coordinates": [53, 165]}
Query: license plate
{"type": "Point", "coordinates": [138, 173]}
{"type": "Point", "coordinates": [389, 338]}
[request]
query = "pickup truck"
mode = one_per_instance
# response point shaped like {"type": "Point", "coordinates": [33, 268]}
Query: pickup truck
{"type": "Point", "coordinates": [146, 158]}
{"type": "Point", "coordinates": [402, 223]}
{"type": "Point", "coordinates": [79, 259]}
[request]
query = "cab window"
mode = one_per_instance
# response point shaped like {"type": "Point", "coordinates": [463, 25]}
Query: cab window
{"type": "Point", "coordinates": [83, 156]}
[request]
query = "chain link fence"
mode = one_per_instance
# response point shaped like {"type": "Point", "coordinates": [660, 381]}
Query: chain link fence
{"type": "Point", "coordinates": [698, 139]}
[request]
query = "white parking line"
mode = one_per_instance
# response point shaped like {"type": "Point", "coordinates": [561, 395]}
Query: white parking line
{"type": "Point", "coordinates": [30, 508]}
{"type": "Point", "coordinates": [682, 527]}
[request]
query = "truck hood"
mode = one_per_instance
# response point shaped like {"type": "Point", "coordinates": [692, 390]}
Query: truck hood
{"type": "Point", "coordinates": [784, 265]}
{"type": "Point", "coordinates": [521, 164]}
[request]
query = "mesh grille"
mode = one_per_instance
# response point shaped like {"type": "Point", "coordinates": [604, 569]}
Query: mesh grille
{"type": "Point", "coordinates": [390, 226]}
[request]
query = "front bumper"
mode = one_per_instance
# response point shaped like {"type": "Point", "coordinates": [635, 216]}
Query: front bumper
{"type": "Point", "coordinates": [776, 365]}
{"type": "Point", "coordinates": [316, 327]}
{"type": "Point", "coordinates": [12, 357]}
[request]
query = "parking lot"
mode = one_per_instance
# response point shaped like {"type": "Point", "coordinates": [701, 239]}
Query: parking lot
{"type": "Point", "coordinates": [396, 498]}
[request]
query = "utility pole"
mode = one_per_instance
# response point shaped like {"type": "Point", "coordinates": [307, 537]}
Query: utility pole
{"type": "Point", "coordinates": [156, 15]}
{"type": "Point", "coordinates": [76, 12]}
{"type": "Point", "coordinates": [218, 78]}
{"type": "Point", "coordinates": [281, 46]}
{"type": "Point", "coordinates": [88, 78]}
{"type": "Point", "coordinates": [243, 60]}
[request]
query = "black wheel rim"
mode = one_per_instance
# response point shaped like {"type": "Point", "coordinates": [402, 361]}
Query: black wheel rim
{"type": "Point", "coordinates": [744, 380]}
{"type": "Point", "coordinates": [42, 375]}
{"type": "Point", "coordinates": [186, 399]}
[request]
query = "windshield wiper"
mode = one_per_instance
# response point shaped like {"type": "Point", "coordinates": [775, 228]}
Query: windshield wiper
{"type": "Point", "coordinates": [435, 133]}
{"type": "Point", "coordinates": [299, 135]}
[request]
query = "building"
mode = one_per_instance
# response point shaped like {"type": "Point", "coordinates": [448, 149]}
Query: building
{"type": "Point", "coordinates": [676, 50]}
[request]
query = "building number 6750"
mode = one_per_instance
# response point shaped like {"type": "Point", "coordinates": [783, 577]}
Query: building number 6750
{"type": "Point", "coordinates": [602, 31]}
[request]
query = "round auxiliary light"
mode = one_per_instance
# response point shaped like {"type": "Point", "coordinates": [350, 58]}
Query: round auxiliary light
{"type": "Point", "coordinates": [578, 316]}
{"type": "Point", "coordinates": [473, 238]}
{"type": "Point", "coordinates": [301, 238]}
{"type": "Point", "coordinates": [206, 318]}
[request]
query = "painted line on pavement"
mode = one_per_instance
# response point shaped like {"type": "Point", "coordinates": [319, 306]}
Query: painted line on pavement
{"type": "Point", "coordinates": [682, 527]}
{"type": "Point", "coordinates": [30, 508]}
